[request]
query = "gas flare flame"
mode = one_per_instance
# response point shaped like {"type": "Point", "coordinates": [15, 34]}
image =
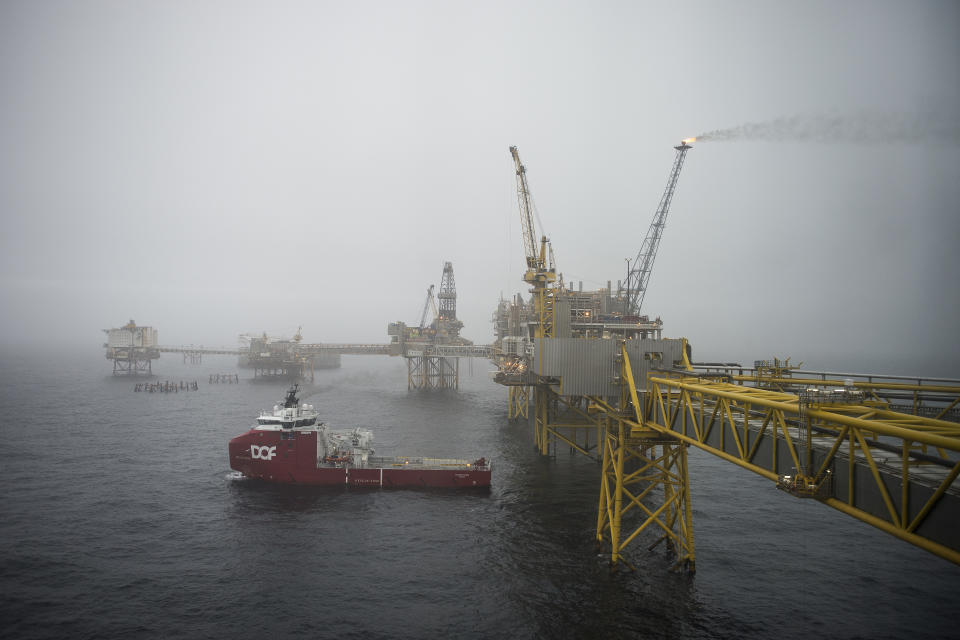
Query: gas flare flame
{"type": "Point", "coordinates": [688, 140]}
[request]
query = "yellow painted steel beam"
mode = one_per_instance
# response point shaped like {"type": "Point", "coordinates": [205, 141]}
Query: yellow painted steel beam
{"type": "Point", "coordinates": [783, 403]}
{"type": "Point", "coordinates": [547, 429]}
{"type": "Point", "coordinates": [685, 359]}
{"type": "Point", "coordinates": [933, 499]}
{"type": "Point", "coordinates": [671, 402]}
{"type": "Point", "coordinates": [672, 515]}
{"type": "Point", "coordinates": [628, 377]}
{"type": "Point", "coordinates": [948, 408]}
{"type": "Point", "coordinates": [858, 384]}
{"type": "Point", "coordinates": [551, 430]}
{"type": "Point", "coordinates": [572, 425]}
{"type": "Point", "coordinates": [540, 418]}
{"type": "Point", "coordinates": [629, 442]}
{"type": "Point", "coordinates": [518, 402]}
{"type": "Point", "coordinates": [572, 407]}
{"type": "Point", "coordinates": [895, 419]}
{"type": "Point", "coordinates": [928, 545]}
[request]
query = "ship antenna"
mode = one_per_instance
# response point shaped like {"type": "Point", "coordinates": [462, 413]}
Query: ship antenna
{"type": "Point", "coordinates": [291, 400]}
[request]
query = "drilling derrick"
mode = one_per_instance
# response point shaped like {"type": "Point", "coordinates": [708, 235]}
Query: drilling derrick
{"type": "Point", "coordinates": [448, 327]}
{"type": "Point", "coordinates": [639, 274]}
{"type": "Point", "coordinates": [448, 293]}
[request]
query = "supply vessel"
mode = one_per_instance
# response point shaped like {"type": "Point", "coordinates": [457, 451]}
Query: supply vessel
{"type": "Point", "coordinates": [289, 445]}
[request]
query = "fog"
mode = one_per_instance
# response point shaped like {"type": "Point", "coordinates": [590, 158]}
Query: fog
{"type": "Point", "coordinates": [212, 168]}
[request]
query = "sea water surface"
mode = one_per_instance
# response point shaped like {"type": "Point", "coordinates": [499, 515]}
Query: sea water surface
{"type": "Point", "coordinates": [119, 518]}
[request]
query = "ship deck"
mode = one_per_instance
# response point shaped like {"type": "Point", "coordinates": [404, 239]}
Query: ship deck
{"type": "Point", "coordinates": [414, 462]}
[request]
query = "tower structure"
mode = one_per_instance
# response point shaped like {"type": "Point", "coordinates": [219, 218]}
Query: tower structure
{"type": "Point", "coordinates": [448, 293]}
{"type": "Point", "coordinates": [448, 326]}
{"type": "Point", "coordinates": [432, 360]}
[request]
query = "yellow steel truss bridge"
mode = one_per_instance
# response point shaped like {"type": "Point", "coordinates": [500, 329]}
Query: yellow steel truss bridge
{"type": "Point", "coordinates": [836, 441]}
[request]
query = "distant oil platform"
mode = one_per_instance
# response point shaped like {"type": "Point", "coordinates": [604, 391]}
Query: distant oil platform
{"type": "Point", "coordinates": [432, 348]}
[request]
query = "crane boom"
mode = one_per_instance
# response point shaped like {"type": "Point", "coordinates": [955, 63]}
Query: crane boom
{"type": "Point", "coordinates": [526, 212]}
{"type": "Point", "coordinates": [428, 303]}
{"type": "Point", "coordinates": [642, 266]}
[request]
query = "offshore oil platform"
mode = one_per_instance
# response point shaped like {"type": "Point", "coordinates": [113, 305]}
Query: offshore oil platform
{"type": "Point", "coordinates": [433, 348]}
{"type": "Point", "coordinates": [590, 373]}
{"type": "Point", "coordinates": [272, 357]}
{"type": "Point", "coordinates": [132, 349]}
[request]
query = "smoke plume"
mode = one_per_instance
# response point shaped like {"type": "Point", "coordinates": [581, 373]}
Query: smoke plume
{"type": "Point", "coordinates": [865, 127]}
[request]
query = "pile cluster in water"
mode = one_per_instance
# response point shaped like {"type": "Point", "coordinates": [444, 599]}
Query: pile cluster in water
{"type": "Point", "coordinates": [166, 387]}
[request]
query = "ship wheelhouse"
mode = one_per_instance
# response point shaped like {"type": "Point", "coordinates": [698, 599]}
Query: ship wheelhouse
{"type": "Point", "coordinates": [287, 423]}
{"type": "Point", "coordinates": [290, 415]}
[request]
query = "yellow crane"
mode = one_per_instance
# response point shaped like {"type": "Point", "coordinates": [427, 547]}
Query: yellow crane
{"type": "Point", "coordinates": [541, 273]}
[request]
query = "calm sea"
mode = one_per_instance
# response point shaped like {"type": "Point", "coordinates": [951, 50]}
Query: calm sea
{"type": "Point", "coordinates": [119, 519]}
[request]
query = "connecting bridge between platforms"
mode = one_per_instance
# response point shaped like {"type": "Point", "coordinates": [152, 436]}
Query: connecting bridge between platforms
{"type": "Point", "coordinates": [429, 365]}
{"type": "Point", "coordinates": [437, 366]}
{"type": "Point", "coordinates": [638, 405]}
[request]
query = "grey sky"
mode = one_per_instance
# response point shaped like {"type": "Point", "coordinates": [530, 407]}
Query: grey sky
{"type": "Point", "coordinates": [211, 168]}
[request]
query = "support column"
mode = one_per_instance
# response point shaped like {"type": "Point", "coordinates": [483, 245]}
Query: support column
{"type": "Point", "coordinates": [433, 372]}
{"type": "Point", "coordinates": [541, 418]}
{"type": "Point", "coordinates": [633, 470]}
{"type": "Point", "coordinates": [415, 373]}
{"type": "Point", "coordinates": [518, 403]}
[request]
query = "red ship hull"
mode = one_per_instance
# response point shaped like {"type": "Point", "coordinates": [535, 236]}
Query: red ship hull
{"type": "Point", "coordinates": [291, 458]}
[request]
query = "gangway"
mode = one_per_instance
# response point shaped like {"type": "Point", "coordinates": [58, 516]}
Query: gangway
{"type": "Point", "coordinates": [892, 470]}
{"type": "Point", "coordinates": [932, 397]}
